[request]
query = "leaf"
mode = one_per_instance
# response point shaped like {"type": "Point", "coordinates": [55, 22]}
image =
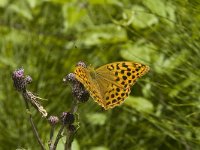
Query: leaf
{"type": "Point", "coordinates": [99, 148]}
{"type": "Point", "coordinates": [142, 19]}
{"type": "Point", "coordinates": [156, 6]}
{"type": "Point", "coordinates": [96, 118]}
{"type": "Point", "coordinates": [75, 145]}
{"type": "Point", "coordinates": [3, 3]}
{"type": "Point", "coordinates": [140, 104]}
{"type": "Point", "coordinates": [72, 15]}
{"type": "Point", "coordinates": [104, 2]}
{"type": "Point", "coordinates": [165, 10]}
{"type": "Point", "coordinates": [33, 3]}
{"type": "Point", "coordinates": [192, 78]}
{"type": "Point", "coordinates": [103, 34]}
{"type": "Point", "coordinates": [171, 63]}
{"type": "Point", "coordinates": [141, 51]}
{"type": "Point", "coordinates": [22, 9]}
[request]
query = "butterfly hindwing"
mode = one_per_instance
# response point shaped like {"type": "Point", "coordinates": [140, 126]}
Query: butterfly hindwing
{"type": "Point", "coordinates": [83, 75]}
{"type": "Point", "coordinates": [112, 94]}
{"type": "Point", "coordinates": [115, 96]}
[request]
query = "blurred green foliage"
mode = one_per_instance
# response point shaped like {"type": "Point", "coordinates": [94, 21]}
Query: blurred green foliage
{"type": "Point", "coordinates": [47, 39]}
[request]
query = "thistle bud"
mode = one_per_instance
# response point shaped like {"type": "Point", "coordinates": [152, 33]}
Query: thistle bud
{"type": "Point", "coordinates": [82, 64]}
{"type": "Point", "coordinates": [53, 120]}
{"type": "Point", "coordinates": [78, 90]}
{"type": "Point", "coordinates": [67, 118]}
{"type": "Point", "coordinates": [19, 80]}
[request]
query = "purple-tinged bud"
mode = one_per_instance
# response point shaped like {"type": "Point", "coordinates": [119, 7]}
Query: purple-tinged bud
{"type": "Point", "coordinates": [18, 79]}
{"type": "Point", "coordinates": [28, 80]}
{"type": "Point", "coordinates": [78, 90]}
{"type": "Point", "coordinates": [80, 93]}
{"type": "Point", "coordinates": [70, 78]}
{"type": "Point", "coordinates": [53, 120]}
{"type": "Point", "coordinates": [19, 73]}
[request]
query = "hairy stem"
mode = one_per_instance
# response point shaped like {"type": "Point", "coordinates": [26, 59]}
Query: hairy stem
{"type": "Point", "coordinates": [33, 127]}
{"type": "Point", "coordinates": [59, 135]}
{"type": "Point", "coordinates": [70, 134]}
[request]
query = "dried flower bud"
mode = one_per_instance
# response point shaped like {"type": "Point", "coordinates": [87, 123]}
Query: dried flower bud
{"type": "Point", "coordinates": [70, 78]}
{"type": "Point", "coordinates": [53, 120]}
{"type": "Point", "coordinates": [80, 93]}
{"type": "Point", "coordinates": [78, 90]}
{"type": "Point", "coordinates": [30, 97]}
{"type": "Point", "coordinates": [67, 118]}
{"type": "Point", "coordinates": [28, 80]}
{"type": "Point", "coordinates": [19, 73]}
{"type": "Point", "coordinates": [20, 82]}
{"type": "Point", "coordinates": [18, 79]}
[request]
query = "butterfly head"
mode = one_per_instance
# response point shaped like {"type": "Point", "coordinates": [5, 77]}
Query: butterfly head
{"type": "Point", "coordinates": [92, 72]}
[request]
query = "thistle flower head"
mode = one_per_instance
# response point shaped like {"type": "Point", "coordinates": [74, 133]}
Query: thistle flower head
{"type": "Point", "coordinates": [19, 79]}
{"type": "Point", "coordinates": [19, 73]}
{"type": "Point", "coordinates": [67, 118]}
{"type": "Point", "coordinates": [82, 64]}
{"type": "Point", "coordinates": [70, 78]}
{"type": "Point", "coordinates": [28, 80]}
{"type": "Point", "coordinates": [78, 90]}
{"type": "Point", "coordinates": [53, 120]}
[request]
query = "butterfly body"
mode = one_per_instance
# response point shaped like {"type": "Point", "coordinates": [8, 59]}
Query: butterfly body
{"type": "Point", "coordinates": [109, 85]}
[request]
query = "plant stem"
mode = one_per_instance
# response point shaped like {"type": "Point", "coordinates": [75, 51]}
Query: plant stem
{"type": "Point", "coordinates": [59, 135]}
{"type": "Point", "coordinates": [33, 127]}
{"type": "Point", "coordinates": [70, 134]}
{"type": "Point", "coordinates": [50, 143]}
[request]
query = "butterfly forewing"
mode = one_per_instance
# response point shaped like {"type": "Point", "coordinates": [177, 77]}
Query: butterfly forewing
{"type": "Point", "coordinates": [115, 96]}
{"type": "Point", "coordinates": [83, 75]}
{"type": "Point", "coordinates": [123, 74]}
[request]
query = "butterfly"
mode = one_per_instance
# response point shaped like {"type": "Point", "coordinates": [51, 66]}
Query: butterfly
{"type": "Point", "coordinates": [110, 84]}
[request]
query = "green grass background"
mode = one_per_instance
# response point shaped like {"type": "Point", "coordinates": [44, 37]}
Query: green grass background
{"type": "Point", "coordinates": [47, 39]}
